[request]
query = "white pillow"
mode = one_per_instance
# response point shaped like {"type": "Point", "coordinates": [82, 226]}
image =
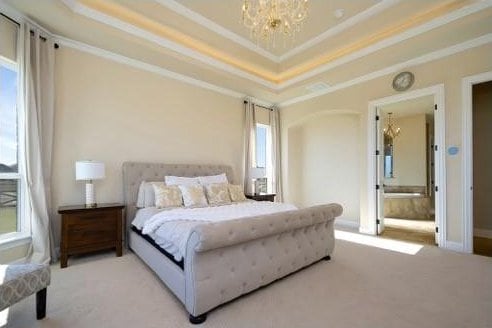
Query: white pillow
{"type": "Point", "coordinates": [193, 195]}
{"type": "Point", "coordinates": [167, 196]}
{"type": "Point", "coordinates": [183, 181]}
{"type": "Point", "coordinates": [146, 195]}
{"type": "Point", "coordinates": [218, 193]}
{"type": "Point", "coordinates": [219, 178]}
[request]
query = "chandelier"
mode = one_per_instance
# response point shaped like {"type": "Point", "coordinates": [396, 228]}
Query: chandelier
{"type": "Point", "coordinates": [267, 18]}
{"type": "Point", "coordinates": [390, 131]}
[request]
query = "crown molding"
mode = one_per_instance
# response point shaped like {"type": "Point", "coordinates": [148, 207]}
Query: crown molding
{"type": "Point", "coordinates": [212, 26]}
{"type": "Point", "coordinates": [100, 17]}
{"type": "Point", "coordinates": [483, 40]}
{"type": "Point", "coordinates": [438, 54]}
{"type": "Point", "coordinates": [217, 63]}
{"type": "Point", "coordinates": [435, 55]}
{"type": "Point", "coordinates": [354, 20]}
{"type": "Point", "coordinates": [145, 66]}
{"type": "Point", "coordinates": [412, 32]}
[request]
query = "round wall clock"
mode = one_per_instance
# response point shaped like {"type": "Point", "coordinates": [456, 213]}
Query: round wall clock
{"type": "Point", "coordinates": [403, 81]}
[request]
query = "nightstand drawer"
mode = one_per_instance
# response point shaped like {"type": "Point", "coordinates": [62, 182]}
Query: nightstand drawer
{"type": "Point", "coordinates": [81, 235]}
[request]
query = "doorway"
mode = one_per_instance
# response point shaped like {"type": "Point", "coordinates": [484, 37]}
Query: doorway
{"type": "Point", "coordinates": [416, 188]}
{"type": "Point", "coordinates": [477, 104]}
{"type": "Point", "coordinates": [405, 169]}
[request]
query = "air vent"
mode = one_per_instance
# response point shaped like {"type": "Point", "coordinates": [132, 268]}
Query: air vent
{"type": "Point", "coordinates": [318, 87]}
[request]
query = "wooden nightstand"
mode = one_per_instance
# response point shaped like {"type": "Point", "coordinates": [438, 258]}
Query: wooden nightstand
{"type": "Point", "coordinates": [85, 229]}
{"type": "Point", "coordinates": [261, 197]}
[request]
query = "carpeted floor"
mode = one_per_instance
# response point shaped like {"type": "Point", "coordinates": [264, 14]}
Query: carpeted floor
{"type": "Point", "coordinates": [362, 286]}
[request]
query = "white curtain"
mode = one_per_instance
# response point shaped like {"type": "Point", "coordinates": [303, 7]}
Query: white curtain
{"type": "Point", "coordinates": [276, 155]}
{"type": "Point", "coordinates": [37, 78]}
{"type": "Point", "coordinates": [249, 144]}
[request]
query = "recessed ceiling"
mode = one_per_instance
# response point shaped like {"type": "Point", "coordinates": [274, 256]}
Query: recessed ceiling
{"type": "Point", "coordinates": [207, 41]}
{"type": "Point", "coordinates": [321, 18]}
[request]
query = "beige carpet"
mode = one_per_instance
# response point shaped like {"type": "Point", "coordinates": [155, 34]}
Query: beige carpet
{"type": "Point", "coordinates": [361, 287]}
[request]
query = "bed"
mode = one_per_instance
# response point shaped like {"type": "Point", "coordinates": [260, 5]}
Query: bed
{"type": "Point", "coordinates": [227, 259]}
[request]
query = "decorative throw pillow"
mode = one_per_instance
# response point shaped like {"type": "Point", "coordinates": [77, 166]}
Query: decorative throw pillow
{"type": "Point", "coordinates": [217, 193]}
{"type": "Point", "coordinates": [219, 178]}
{"type": "Point", "coordinates": [146, 194]}
{"type": "Point", "coordinates": [167, 196]}
{"type": "Point", "coordinates": [237, 193]}
{"type": "Point", "coordinates": [182, 181]}
{"type": "Point", "coordinates": [193, 195]}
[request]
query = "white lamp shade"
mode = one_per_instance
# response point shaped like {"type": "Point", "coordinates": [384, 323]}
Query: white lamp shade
{"type": "Point", "coordinates": [257, 172]}
{"type": "Point", "coordinates": [89, 170]}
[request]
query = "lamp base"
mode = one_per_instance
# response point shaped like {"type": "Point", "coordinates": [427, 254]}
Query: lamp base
{"type": "Point", "coordinates": [90, 197]}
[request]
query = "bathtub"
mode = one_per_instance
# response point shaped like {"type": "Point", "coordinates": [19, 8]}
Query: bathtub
{"type": "Point", "coordinates": [411, 203]}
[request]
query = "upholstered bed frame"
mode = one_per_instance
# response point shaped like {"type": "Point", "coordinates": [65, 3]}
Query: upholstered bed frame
{"type": "Point", "coordinates": [228, 259]}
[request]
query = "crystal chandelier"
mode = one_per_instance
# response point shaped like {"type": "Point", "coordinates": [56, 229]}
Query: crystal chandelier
{"type": "Point", "coordinates": [267, 18]}
{"type": "Point", "coordinates": [390, 131]}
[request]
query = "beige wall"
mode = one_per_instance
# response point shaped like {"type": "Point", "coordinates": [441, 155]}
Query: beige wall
{"type": "Point", "coordinates": [322, 146]}
{"type": "Point", "coordinates": [409, 152]}
{"type": "Point", "coordinates": [113, 113]}
{"type": "Point", "coordinates": [448, 71]}
{"type": "Point", "coordinates": [482, 156]}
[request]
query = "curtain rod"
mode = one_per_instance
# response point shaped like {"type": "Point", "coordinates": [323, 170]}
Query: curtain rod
{"type": "Point", "coordinates": [32, 32]}
{"type": "Point", "coordinates": [259, 106]}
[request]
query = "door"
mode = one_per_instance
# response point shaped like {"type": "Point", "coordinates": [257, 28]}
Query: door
{"type": "Point", "coordinates": [379, 173]}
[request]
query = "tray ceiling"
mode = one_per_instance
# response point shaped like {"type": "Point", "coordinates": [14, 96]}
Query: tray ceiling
{"type": "Point", "coordinates": [206, 39]}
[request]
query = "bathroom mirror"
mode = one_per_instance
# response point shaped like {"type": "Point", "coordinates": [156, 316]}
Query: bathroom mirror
{"type": "Point", "coordinates": [388, 157]}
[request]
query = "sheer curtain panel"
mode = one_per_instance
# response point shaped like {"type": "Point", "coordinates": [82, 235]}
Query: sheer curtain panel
{"type": "Point", "coordinates": [37, 78]}
{"type": "Point", "coordinates": [249, 145]}
{"type": "Point", "coordinates": [276, 155]}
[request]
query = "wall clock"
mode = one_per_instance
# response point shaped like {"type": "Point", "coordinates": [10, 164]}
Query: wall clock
{"type": "Point", "coordinates": [403, 81]}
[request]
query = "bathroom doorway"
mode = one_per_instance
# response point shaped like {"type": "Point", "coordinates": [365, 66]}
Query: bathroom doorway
{"type": "Point", "coordinates": [406, 165]}
{"type": "Point", "coordinates": [406, 169]}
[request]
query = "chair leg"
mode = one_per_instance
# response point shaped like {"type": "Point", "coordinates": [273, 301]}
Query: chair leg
{"type": "Point", "coordinates": [41, 304]}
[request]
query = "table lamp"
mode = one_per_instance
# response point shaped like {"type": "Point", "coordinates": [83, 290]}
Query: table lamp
{"type": "Point", "coordinates": [88, 171]}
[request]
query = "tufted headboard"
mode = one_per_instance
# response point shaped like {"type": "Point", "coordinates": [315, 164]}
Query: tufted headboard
{"type": "Point", "coordinates": [134, 173]}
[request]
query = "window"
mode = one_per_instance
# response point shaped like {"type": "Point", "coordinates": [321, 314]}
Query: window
{"type": "Point", "coordinates": [263, 156]}
{"type": "Point", "coordinates": [12, 223]}
{"type": "Point", "coordinates": [261, 145]}
{"type": "Point", "coordinates": [9, 154]}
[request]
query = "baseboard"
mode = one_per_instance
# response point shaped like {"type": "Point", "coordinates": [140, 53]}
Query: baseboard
{"type": "Point", "coordinates": [453, 246]}
{"type": "Point", "coordinates": [344, 223]}
{"type": "Point", "coordinates": [367, 231]}
{"type": "Point", "coordinates": [483, 233]}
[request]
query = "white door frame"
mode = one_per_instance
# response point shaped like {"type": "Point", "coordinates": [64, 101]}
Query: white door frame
{"type": "Point", "coordinates": [467, 158]}
{"type": "Point", "coordinates": [440, 166]}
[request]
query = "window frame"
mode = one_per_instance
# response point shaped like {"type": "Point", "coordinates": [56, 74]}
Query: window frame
{"type": "Point", "coordinates": [23, 231]}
